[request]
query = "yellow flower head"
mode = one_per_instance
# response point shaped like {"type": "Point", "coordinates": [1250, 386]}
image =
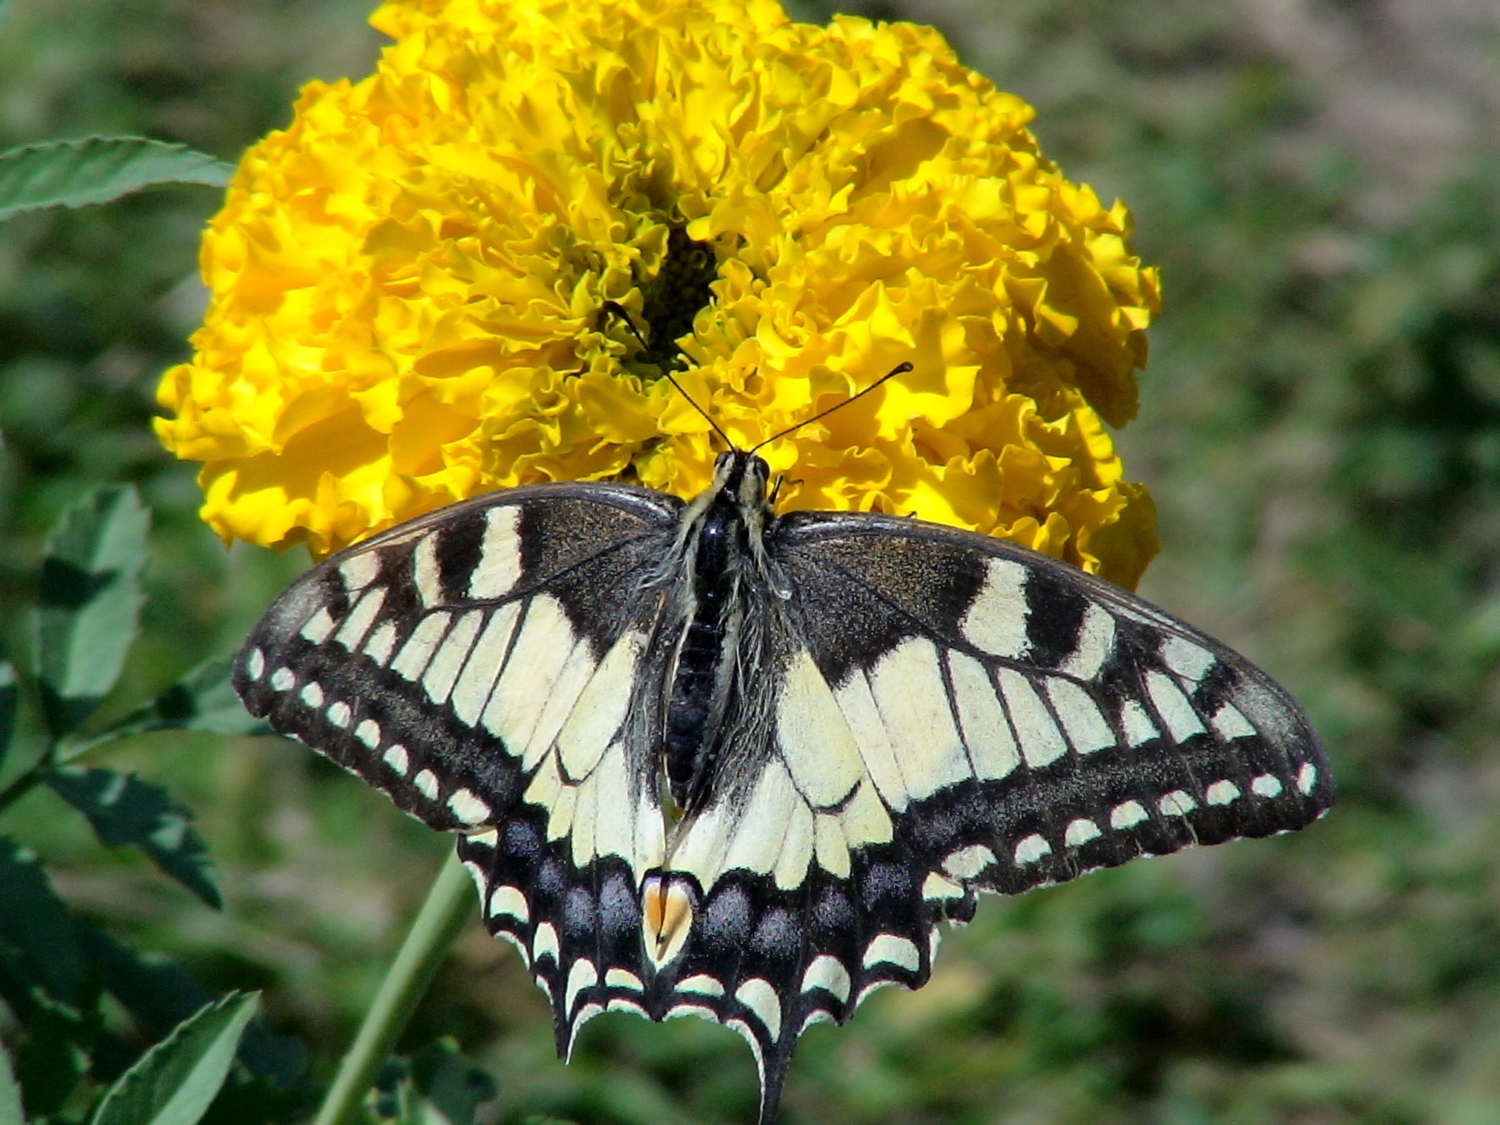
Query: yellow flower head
{"type": "Point", "coordinates": [410, 283]}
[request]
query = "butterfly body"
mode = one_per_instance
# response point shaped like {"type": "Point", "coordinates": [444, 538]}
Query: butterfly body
{"type": "Point", "coordinates": [726, 562]}
{"type": "Point", "coordinates": [703, 759]}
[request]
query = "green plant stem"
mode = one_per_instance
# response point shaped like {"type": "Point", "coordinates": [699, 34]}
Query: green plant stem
{"type": "Point", "coordinates": [27, 780]}
{"type": "Point", "coordinates": [448, 906]}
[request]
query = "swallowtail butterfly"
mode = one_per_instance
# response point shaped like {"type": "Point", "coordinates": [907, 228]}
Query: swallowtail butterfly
{"type": "Point", "coordinates": [706, 759]}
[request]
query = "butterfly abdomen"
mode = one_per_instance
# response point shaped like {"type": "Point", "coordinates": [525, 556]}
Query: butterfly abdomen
{"type": "Point", "coordinates": [695, 702]}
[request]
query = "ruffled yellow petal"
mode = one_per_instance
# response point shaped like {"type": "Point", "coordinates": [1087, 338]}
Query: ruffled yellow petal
{"type": "Point", "coordinates": [411, 283]}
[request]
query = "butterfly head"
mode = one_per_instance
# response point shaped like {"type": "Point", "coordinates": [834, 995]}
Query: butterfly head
{"type": "Point", "coordinates": [741, 477]}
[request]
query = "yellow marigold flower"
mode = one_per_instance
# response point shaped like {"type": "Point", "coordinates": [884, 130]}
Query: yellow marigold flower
{"type": "Point", "coordinates": [408, 282]}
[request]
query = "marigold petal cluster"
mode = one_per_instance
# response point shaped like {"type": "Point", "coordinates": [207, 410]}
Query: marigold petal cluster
{"type": "Point", "coordinates": [414, 286]}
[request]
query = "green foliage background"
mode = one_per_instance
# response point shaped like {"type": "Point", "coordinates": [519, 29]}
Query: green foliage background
{"type": "Point", "coordinates": [1320, 426]}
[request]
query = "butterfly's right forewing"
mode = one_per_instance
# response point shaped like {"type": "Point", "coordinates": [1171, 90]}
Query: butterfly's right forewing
{"type": "Point", "coordinates": [1034, 722]}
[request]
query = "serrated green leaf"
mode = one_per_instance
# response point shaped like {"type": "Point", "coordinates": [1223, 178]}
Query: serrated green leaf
{"type": "Point", "coordinates": [35, 929]}
{"type": "Point", "coordinates": [11, 1112]}
{"type": "Point", "coordinates": [97, 169]}
{"type": "Point", "coordinates": [175, 1082]}
{"type": "Point", "coordinates": [204, 700]}
{"type": "Point", "coordinates": [123, 809]}
{"type": "Point", "coordinates": [9, 696]}
{"type": "Point", "coordinates": [89, 602]}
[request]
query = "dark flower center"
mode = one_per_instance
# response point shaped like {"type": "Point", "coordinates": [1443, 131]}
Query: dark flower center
{"type": "Point", "coordinates": [674, 296]}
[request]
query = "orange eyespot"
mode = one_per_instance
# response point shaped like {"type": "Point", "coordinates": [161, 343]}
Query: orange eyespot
{"type": "Point", "coordinates": [666, 918]}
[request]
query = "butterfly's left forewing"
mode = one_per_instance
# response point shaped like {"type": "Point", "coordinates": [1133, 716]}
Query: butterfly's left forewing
{"type": "Point", "coordinates": [488, 668]}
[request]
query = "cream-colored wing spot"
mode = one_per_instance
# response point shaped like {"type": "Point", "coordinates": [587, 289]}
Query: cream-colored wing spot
{"type": "Point", "coordinates": [441, 674]}
{"type": "Point", "coordinates": [1173, 707]}
{"type": "Point", "coordinates": [537, 656]}
{"type": "Point", "coordinates": [317, 627]}
{"type": "Point", "coordinates": [1307, 778]}
{"type": "Point", "coordinates": [1041, 742]}
{"type": "Point", "coordinates": [830, 845]}
{"type": "Point", "coordinates": [992, 747]}
{"type": "Point", "coordinates": [705, 843]}
{"type": "Point", "coordinates": [425, 571]}
{"type": "Point", "coordinates": [996, 620]}
{"type": "Point", "coordinates": [1081, 718]}
{"type": "Point", "coordinates": [472, 690]}
{"type": "Point", "coordinates": [892, 949]}
{"type": "Point", "coordinates": [760, 997]}
{"type": "Point", "coordinates": [560, 816]}
{"type": "Point", "coordinates": [614, 832]}
{"type": "Point", "coordinates": [1094, 644]}
{"type": "Point", "coordinates": [600, 708]}
{"type": "Point", "coordinates": [1080, 832]}
{"type": "Point", "coordinates": [968, 863]}
{"type": "Point", "coordinates": [753, 840]}
{"type": "Point", "coordinates": [358, 571]}
{"type": "Point", "coordinates": [857, 702]}
{"type": "Point", "coordinates": [813, 736]}
{"type": "Point", "coordinates": [829, 974]}
{"type": "Point", "coordinates": [562, 699]}
{"type": "Point", "coordinates": [1190, 660]}
{"type": "Point", "coordinates": [865, 818]}
{"type": "Point", "coordinates": [796, 849]}
{"type": "Point", "coordinates": [1139, 729]}
{"type": "Point", "coordinates": [500, 554]}
{"type": "Point", "coordinates": [907, 683]}
{"type": "Point", "coordinates": [360, 618]}
{"type": "Point", "coordinates": [380, 643]}
{"type": "Point", "coordinates": [420, 646]}
{"type": "Point", "coordinates": [1231, 724]}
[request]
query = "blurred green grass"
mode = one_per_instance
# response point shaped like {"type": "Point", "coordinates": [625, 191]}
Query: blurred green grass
{"type": "Point", "coordinates": [1320, 426]}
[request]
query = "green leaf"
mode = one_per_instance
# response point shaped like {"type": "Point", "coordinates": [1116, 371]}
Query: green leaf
{"type": "Point", "coordinates": [89, 602]}
{"type": "Point", "coordinates": [175, 1082]}
{"type": "Point", "coordinates": [55, 1050]}
{"type": "Point", "coordinates": [36, 935]}
{"type": "Point", "coordinates": [9, 696]}
{"type": "Point", "coordinates": [123, 809]}
{"type": "Point", "coordinates": [443, 1087]}
{"type": "Point", "coordinates": [204, 700]}
{"type": "Point", "coordinates": [159, 994]}
{"type": "Point", "coordinates": [97, 169]}
{"type": "Point", "coordinates": [11, 1112]}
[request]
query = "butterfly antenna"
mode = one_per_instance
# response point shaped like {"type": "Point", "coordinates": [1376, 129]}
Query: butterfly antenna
{"type": "Point", "coordinates": [899, 369]}
{"type": "Point", "coordinates": [615, 309]}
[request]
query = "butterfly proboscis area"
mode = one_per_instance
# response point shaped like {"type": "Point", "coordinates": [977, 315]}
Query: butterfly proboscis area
{"type": "Point", "coordinates": [707, 760]}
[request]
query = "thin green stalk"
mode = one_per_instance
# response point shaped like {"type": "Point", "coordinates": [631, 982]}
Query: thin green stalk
{"type": "Point", "coordinates": [448, 906]}
{"type": "Point", "coordinates": [22, 784]}
{"type": "Point", "coordinates": [28, 779]}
